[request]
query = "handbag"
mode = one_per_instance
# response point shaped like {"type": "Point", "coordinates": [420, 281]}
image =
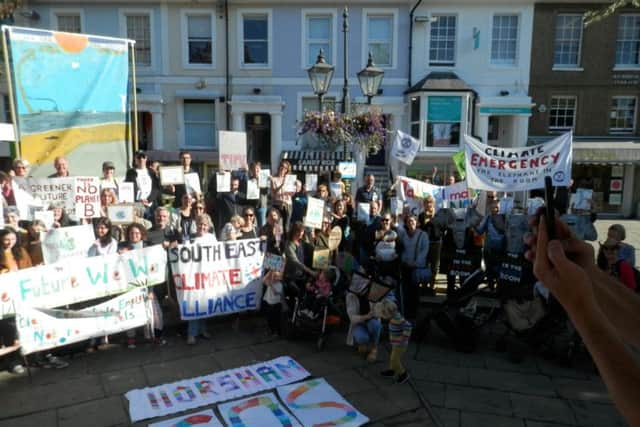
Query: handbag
{"type": "Point", "coordinates": [524, 315]}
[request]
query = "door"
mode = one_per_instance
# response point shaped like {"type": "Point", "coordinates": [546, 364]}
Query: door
{"type": "Point", "coordinates": [258, 138]}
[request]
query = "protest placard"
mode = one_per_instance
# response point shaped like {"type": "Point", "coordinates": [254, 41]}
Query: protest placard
{"type": "Point", "coordinates": [395, 206]}
{"type": "Point", "coordinates": [253, 191]}
{"type": "Point", "coordinates": [290, 183]}
{"type": "Point", "coordinates": [335, 237]}
{"type": "Point", "coordinates": [44, 216]}
{"type": "Point", "coordinates": [121, 213]}
{"type": "Point", "coordinates": [363, 212]}
{"type": "Point", "coordinates": [217, 278]}
{"type": "Point", "coordinates": [66, 242]}
{"type": "Point", "coordinates": [201, 419]}
{"type": "Point", "coordinates": [457, 195]}
{"type": "Point", "coordinates": [43, 329]}
{"type": "Point", "coordinates": [217, 387]}
{"type": "Point", "coordinates": [410, 188]}
{"type": "Point", "coordinates": [348, 170]}
{"type": "Point", "coordinates": [581, 199]}
{"type": "Point", "coordinates": [311, 181]}
{"type": "Point", "coordinates": [192, 183]}
{"type": "Point", "coordinates": [321, 258]}
{"type": "Point", "coordinates": [233, 150]}
{"type": "Point", "coordinates": [336, 189]}
{"type": "Point", "coordinates": [273, 262]}
{"type": "Point", "coordinates": [263, 178]}
{"type": "Point", "coordinates": [223, 182]}
{"type": "Point", "coordinates": [315, 213]}
{"type": "Point", "coordinates": [316, 403]}
{"type": "Point", "coordinates": [87, 197]}
{"type": "Point", "coordinates": [171, 175]}
{"type": "Point", "coordinates": [84, 279]}
{"type": "Point", "coordinates": [518, 169]}
{"type": "Point", "coordinates": [404, 147]}
{"type": "Point", "coordinates": [58, 191]}
{"type": "Point", "coordinates": [125, 192]}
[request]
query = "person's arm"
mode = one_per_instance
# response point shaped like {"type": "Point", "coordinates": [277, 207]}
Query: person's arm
{"type": "Point", "coordinates": [423, 251]}
{"type": "Point", "coordinates": [353, 310]}
{"type": "Point", "coordinates": [574, 289]}
{"type": "Point", "coordinates": [482, 227]}
{"type": "Point", "coordinates": [292, 256]}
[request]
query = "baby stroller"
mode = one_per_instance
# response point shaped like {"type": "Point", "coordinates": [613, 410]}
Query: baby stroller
{"type": "Point", "coordinates": [301, 324]}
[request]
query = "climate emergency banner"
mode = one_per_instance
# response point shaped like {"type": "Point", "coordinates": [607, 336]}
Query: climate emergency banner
{"type": "Point", "coordinates": [217, 278]}
{"type": "Point", "coordinates": [42, 329]}
{"type": "Point", "coordinates": [518, 169]}
{"type": "Point", "coordinates": [84, 279]}
{"type": "Point", "coordinates": [217, 387]}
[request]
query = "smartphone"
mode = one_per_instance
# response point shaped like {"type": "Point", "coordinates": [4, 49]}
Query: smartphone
{"type": "Point", "coordinates": [549, 210]}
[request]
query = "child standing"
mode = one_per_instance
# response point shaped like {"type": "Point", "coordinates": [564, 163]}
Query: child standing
{"type": "Point", "coordinates": [273, 300]}
{"type": "Point", "coordinates": [399, 333]}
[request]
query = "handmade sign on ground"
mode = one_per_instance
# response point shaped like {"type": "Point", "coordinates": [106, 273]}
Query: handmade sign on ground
{"type": "Point", "coordinates": [217, 278]}
{"type": "Point", "coordinates": [217, 387]}
{"type": "Point", "coordinates": [42, 329]}
{"type": "Point", "coordinates": [84, 279]}
{"type": "Point", "coordinates": [201, 419]}
{"type": "Point", "coordinates": [261, 410]}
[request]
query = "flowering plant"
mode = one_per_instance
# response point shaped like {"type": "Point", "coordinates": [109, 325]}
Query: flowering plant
{"type": "Point", "coordinates": [333, 130]}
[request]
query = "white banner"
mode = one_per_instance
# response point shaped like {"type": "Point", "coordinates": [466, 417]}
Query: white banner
{"type": "Point", "coordinates": [84, 279]}
{"type": "Point", "coordinates": [217, 278]}
{"type": "Point", "coordinates": [518, 169]}
{"type": "Point", "coordinates": [315, 403]}
{"type": "Point", "coordinates": [458, 195]}
{"type": "Point", "coordinates": [42, 329]}
{"type": "Point", "coordinates": [404, 147]}
{"type": "Point", "coordinates": [66, 242]}
{"type": "Point", "coordinates": [192, 393]}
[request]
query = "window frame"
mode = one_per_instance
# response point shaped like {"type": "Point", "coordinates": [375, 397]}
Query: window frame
{"type": "Point", "coordinates": [382, 13]}
{"type": "Point", "coordinates": [623, 131]}
{"type": "Point", "coordinates": [185, 14]}
{"type": "Point", "coordinates": [438, 63]}
{"type": "Point", "coordinates": [124, 13]}
{"type": "Point", "coordinates": [55, 13]}
{"type": "Point", "coordinates": [558, 129]}
{"type": "Point", "coordinates": [317, 13]}
{"type": "Point", "coordinates": [240, 37]}
{"type": "Point", "coordinates": [516, 57]}
{"type": "Point", "coordinates": [619, 66]}
{"type": "Point", "coordinates": [577, 65]}
{"type": "Point", "coordinates": [183, 123]}
{"type": "Point", "coordinates": [303, 95]}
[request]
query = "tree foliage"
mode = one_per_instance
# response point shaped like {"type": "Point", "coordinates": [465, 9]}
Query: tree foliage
{"type": "Point", "coordinates": [596, 15]}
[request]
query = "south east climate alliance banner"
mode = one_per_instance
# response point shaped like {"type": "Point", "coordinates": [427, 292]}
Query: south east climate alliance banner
{"type": "Point", "coordinates": [71, 97]}
{"type": "Point", "coordinates": [518, 169]}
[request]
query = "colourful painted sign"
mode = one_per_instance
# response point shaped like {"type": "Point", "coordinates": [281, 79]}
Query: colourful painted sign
{"type": "Point", "coordinates": [71, 96]}
{"type": "Point", "coordinates": [43, 329]}
{"type": "Point", "coordinates": [217, 278]}
{"type": "Point", "coordinates": [84, 279]}
{"type": "Point", "coordinates": [200, 419]}
{"type": "Point", "coordinates": [260, 410]}
{"type": "Point", "coordinates": [217, 387]}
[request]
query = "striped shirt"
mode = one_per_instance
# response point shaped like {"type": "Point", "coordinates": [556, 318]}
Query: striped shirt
{"type": "Point", "coordinates": [399, 330]}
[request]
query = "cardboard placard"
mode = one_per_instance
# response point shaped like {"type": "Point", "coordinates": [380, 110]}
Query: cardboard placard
{"type": "Point", "coordinates": [223, 182]}
{"type": "Point", "coordinates": [336, 189]}
{"type": "Point", "coordinates": [290, 183]}
{"type": "Point", "coordinates": [170, 175]}
{"type": "Point", "coordinates": [87, 196]}
{"type": "Point", "coordinates": [321, 259]}
{"type": "Point", "coordinates": [273, 262]}
{"type": "Point", "coordinates": [121, 213]}
{"type": "Point", "coordinates": [364, 210]}
{"type": "Point", "coordinates": [253, 191]}
{"type": "Point", "coordinates": [125, 192]}
{"type": "Point", "coordinates": [335, 237]}
{"type": "Point", "coordinates": [311, 181]}
{"type": "Point", "coordinates": [348, 170]}
{"type": "Point", "coordinates": [315, 213]}
{"type": "Point", "coordinates": [263, 178]}
{"type": "Point", "coordinates": [192, 183]}
{"type": "Point", "coordinates": [232, 150]}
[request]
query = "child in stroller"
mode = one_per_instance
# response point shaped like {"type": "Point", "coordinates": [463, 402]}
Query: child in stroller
{"type": "Point", "coordinates": [317, 293]}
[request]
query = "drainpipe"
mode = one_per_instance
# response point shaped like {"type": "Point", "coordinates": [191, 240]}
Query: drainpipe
{"type": "Point", "coordinates": [413, 9]}
{"type": "Point", "coordinates": [227, 77]}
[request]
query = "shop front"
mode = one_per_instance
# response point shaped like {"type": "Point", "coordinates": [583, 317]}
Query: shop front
{"type": "Point", "coordinates": [609, 169]}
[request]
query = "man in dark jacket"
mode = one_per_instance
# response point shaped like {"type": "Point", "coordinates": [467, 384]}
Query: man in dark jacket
{"type": "Point", "coordinates": [228, 204]}
{"type": "Point", "coordinates": [146, 185]}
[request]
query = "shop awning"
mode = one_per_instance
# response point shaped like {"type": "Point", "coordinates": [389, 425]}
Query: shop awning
{"type": "Point", "coordinates": [606, 152]}
{"type": "Point", "coordinates": [315, 160]}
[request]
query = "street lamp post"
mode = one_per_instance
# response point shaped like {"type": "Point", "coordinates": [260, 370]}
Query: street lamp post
{"type": "Point", "coordinates": [320, 74]}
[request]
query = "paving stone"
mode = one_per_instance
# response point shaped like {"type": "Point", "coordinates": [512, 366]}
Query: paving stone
{"type": "Point", "coordinates": [432, 392]}
{"type": "Point", "coordinates": [401, 395]}
{"type": "Point", "coordinates": [438, 372]}
{"type": "Point", "coordinates": [45, 418]}
{"type": "Point", "coordinates": [167, 372]}
{"type": "Point", "coordinates": [318, 366]}
{"type": "Point", "coordinates": [512, 381]}
{"type": "Point", "coordinates": [555, 370]}
{"type": "Point", "coordinates": [417, 418]}
{"type": "Point", "coordinates": [477, 400]}
{"type": "Point", "coordinates": [119, 382]}
{"type": "Point", "coordinates": [372, 404]}
{"type": "Point", "coordinates": [473, 360]}
{"type": "Point", "coordinates": [543, 424]}
{"type": "Point", "coordinates": [474, 419]}
{"type": "Point", "coordinates": [593, 390]}
{"type": "Point", "coordinates": [41, 397]}
{"type": "Point", "coordinates": [500, 362]}
{"type": "Point", "coordinates": [591, 414]}
{"type": "Point", "coordinates": [443, 356]}
{"type": "Point", "coordinates": [234, 358]}
{"type": "Point", "coordinates": [542, 408]}
{"type": "Point", "coordinates": [97, 413]}
{"type": "Point", "coordinates": [447, 417]}
{"type": "Point", "coordinates": [349, 381]}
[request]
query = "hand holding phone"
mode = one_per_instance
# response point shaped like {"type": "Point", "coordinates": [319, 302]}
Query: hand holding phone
{"type": "Point", "coordinates": [549, 213]}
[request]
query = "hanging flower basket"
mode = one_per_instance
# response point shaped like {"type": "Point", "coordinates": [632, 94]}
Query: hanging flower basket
{"type": "Point", "coordinates": [335, 130]}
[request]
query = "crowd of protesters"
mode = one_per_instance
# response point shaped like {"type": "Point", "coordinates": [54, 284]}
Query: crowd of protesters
{"type": "Point", "coordinates": [408, 249]}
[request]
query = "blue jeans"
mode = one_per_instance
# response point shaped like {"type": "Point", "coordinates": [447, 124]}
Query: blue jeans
{"type": "Point", "coordinates": [262, 216]}
{"type": "Point", "coordinates": [367, 332]}
{"type": "Point", "coordinates": [196, 327]}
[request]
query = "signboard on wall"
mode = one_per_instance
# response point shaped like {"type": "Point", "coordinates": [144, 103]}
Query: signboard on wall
{"type": "Point", "coordinates": [444, 109]}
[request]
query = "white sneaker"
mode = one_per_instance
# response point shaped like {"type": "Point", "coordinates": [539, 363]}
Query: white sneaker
{"type": "Point", "coordinates": [18, 369]}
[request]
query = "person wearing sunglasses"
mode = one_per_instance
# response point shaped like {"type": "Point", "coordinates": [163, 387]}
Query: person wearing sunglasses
{"type": "Point", "coordinates": [386, 247]}
{"type": "Point", "coordinates": [249, 229]}
{"type": "Point", "coordinates": [615, 266]}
